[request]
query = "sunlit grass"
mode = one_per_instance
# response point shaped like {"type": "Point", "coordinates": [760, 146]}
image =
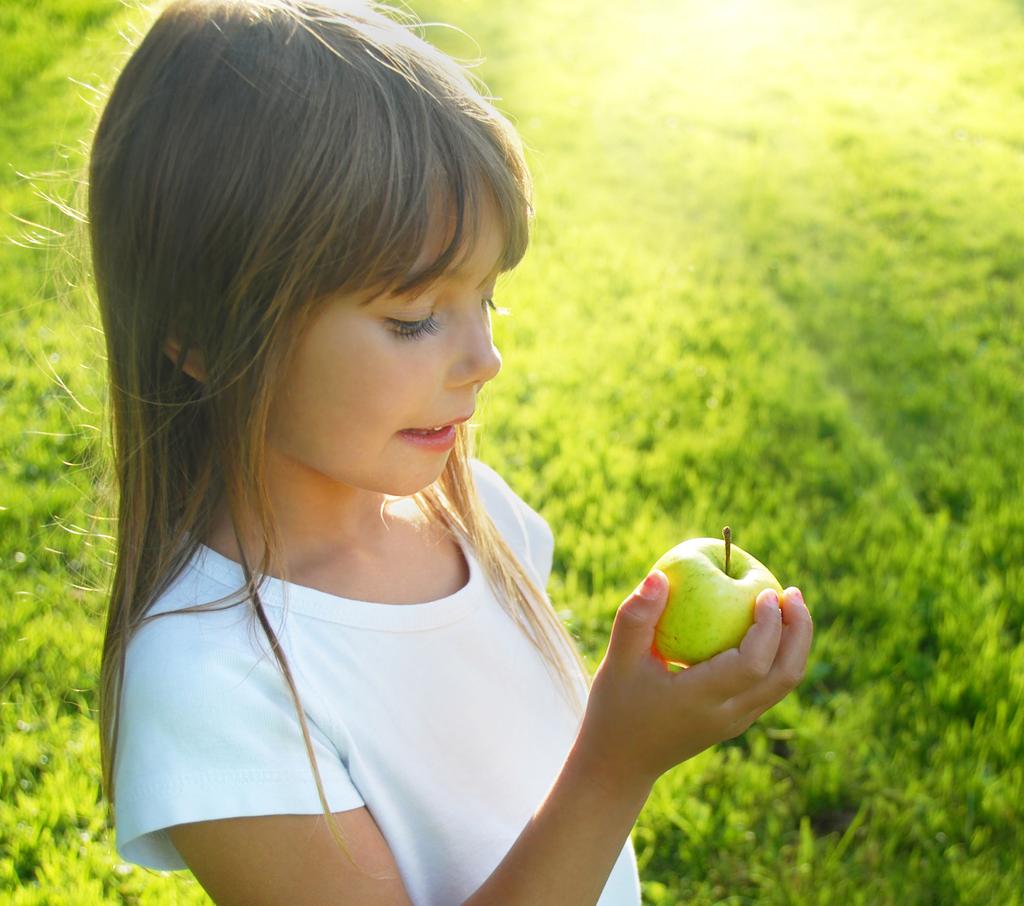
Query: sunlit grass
{"type": "Point", "coordinates": [776, 283]}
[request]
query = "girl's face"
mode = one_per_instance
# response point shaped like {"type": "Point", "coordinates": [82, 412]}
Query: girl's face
{"type": "Point", "coordinates": [364, 373]}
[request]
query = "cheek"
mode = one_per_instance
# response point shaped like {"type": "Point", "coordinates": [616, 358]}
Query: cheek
{"type": "Point", "coordinates": [369, 376]}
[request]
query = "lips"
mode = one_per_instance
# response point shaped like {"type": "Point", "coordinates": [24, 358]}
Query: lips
{"type": "Point", "coordinates": [457, 421]}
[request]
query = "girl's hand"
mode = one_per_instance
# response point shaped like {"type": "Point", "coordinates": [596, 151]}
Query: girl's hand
{"type": "Point", "coordinates": [643, 719]}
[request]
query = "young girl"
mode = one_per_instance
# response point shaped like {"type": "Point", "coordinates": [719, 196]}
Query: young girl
{"type": "Point", "coordinates": [331, 673]}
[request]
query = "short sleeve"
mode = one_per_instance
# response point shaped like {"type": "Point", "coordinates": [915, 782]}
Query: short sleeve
{"type": "Point", "coordinates": [208, 729]}
{"type": "Point", "coordinates": [536, 534]}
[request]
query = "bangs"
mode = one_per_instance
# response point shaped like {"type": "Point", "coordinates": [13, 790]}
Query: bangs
{"type": "Point", "coordinates": [463, 226]}
{"type": "Point", "coordinates": [327, 146]}
{"type": "Point", "coordinates": [413, 150]}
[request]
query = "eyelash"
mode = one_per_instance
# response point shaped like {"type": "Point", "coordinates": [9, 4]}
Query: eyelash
{"type": "Point", "coordinates": [411, 330]}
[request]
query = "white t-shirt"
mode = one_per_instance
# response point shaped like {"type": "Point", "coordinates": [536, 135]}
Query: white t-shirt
{"type": "Point", "coordinates": [439, 717]}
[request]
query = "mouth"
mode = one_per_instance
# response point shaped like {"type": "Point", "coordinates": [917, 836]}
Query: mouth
{"type": "Point", "coordinates": [435, 428]}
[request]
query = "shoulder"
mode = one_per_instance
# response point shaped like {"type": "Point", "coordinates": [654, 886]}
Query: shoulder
{"type": "Point", "coordinates": [488, 481]}
{"type": "Point", "coordinates": [208, 728]}
{"type": "Point", "coordinates": [521, 524]}
{"type": "Point", "coordinates": [192, 671]}
{"type": "Point", "coordinates": [191, 678]}
{"type": "Point", "coordinates": [498, 496]}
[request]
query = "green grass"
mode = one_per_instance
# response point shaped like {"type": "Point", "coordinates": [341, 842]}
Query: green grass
{"type": "Point", "coordinates": [776, 282]}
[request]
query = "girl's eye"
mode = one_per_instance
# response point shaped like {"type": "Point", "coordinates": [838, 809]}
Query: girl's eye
{"type": "Point", "coordinates": [410, 330]}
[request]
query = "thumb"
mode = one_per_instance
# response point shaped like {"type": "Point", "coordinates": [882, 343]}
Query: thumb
{"type": "Point", "coordinates": [633, 630]}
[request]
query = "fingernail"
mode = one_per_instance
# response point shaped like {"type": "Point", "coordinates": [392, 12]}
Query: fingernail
{"type": "Point", "coordinates": [770, 598]}
{"type": "Point", "coordinates": [798, 595]}
{"type": "Point", "coordinates": [650, 586]}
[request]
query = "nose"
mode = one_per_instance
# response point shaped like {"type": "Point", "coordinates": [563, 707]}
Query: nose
{"type": "Point", "coordinates": [479, 360]}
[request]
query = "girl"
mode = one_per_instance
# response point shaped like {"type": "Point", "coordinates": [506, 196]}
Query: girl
{"type": "Point", "coordinates": [331, 673]}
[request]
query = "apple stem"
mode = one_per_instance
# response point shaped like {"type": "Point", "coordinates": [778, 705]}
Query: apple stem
{"type": "Point", "coordinates": [727, 534]}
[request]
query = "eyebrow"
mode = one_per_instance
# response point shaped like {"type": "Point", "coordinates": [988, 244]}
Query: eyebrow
{"type": "Point", "coordinates": [454, 272]}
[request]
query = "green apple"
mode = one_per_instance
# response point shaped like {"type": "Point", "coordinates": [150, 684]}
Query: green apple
{"type": "Point", "coordinates": [713, 585]}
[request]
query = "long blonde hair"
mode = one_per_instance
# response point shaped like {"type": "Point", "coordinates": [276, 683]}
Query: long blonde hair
{"type": "Point", "coordinates": [255, 158]}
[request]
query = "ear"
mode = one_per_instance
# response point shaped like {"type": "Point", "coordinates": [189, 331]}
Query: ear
{"type": "Point", "coordinates": [193, 366]}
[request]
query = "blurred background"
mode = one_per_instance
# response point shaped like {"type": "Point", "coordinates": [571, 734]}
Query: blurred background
{"type": "Point", "coordinates": [776, 281]}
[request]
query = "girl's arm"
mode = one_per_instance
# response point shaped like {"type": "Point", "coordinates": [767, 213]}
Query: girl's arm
{"type": "Point", "coordinates": [641, 720]}
{"type": "Point", "coordinates": [267, 860]}
{"type": "Point", "coordinates": [566, 852]}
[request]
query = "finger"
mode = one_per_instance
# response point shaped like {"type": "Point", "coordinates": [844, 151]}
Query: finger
{"type": "Point", "coordinates": [761, 642]}
{"type": "Point", "coordinates": [736, 669]}
{"type": "Point", "coordinates": [791, 661]}
{"type": "Point", "coordinates": [633, 628]}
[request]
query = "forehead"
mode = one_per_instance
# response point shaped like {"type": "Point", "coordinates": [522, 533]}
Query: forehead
{"type": "Point", "coordinates": [475, 263]}
{"type": "Point", "coordinates": [480, 253]}
{"type": "Point", "coordinates": [482, 241]}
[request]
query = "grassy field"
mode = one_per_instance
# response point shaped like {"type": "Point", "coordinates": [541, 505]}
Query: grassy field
{"type": "Point", "coordinates": [777, 282]}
